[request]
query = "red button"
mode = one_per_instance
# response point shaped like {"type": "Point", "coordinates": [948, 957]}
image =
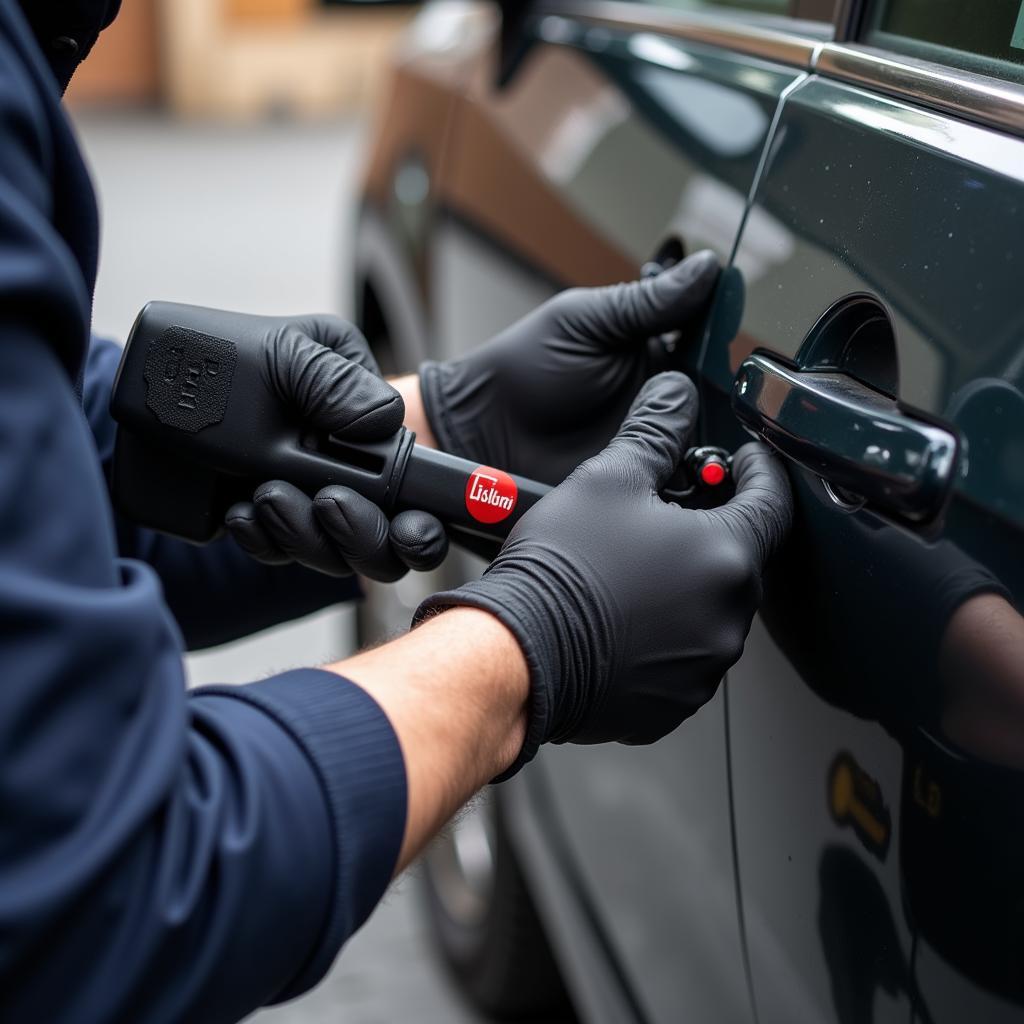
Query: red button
{"type": "Point", "coordinates": [712, 473]}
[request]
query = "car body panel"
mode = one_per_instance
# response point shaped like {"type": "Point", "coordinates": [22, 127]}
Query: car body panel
{"type": "Point", "coordinates": [926, 214]}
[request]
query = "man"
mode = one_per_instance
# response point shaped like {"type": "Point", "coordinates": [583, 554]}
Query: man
{"type": "Point", "coordinates": [173, 856]}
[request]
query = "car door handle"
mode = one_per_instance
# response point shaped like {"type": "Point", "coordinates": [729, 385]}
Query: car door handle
{"type": "Point", "coordinates": [852, 436]}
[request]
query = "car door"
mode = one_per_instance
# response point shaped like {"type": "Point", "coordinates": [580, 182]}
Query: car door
{"type": "Point", "coordinates": [875, 719]}
{"type": "Point", "coordinates": [623, 134]}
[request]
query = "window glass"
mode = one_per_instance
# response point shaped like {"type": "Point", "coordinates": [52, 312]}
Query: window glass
{"type": "Point", "coordinates": [986, 37]}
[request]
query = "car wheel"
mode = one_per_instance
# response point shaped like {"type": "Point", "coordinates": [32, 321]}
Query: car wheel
{"type": "Point", "coordinates": [484, 920]}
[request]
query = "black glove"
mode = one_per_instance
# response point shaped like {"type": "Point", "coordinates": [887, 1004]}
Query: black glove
{"type": "Point", "coordinates": [552, 389]}
{"type": "Point", "coordinates": [628, 609]}
{"type": "Point", "coordinates": [322, 368]}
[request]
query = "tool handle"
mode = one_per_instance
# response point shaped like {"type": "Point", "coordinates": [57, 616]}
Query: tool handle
{"type": "Point", "coordinates": [476, 499]}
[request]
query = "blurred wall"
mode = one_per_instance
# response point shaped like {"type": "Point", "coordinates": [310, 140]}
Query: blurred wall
{"type": "Point", "coordinates": [242, 59]}
{"type": "Point", "coordinates": [123, 68]}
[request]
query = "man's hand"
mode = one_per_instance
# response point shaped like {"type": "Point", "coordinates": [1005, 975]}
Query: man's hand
{"type": "Point", "coordinates": [321, 367]}
{"type": "Point", "coordinates": [551, 390]}
{"type": "Point", "coordinates": [629, 610]}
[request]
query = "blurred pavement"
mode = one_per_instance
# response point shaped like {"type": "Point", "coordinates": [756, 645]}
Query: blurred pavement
{"type": "Point", "coordinates": [258, 219]}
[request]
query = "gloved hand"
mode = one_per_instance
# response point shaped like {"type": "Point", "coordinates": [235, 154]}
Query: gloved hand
{"type": "Point", "coordinates": [552, 389]}
{"type": "Point", "coordinates": [628, 609]}
{"type": "Point", "coordinates": [322, 367]}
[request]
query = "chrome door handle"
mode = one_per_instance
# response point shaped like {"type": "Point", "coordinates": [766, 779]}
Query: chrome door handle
{"type": "Point", "coordinates": [852, 436]}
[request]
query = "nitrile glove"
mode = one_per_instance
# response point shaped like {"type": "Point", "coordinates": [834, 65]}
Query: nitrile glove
{"type": "Point", "coordinates": [629, 609]}
{"type": "Point", "coordinates": [322, 368]}
{"type": "Point", "coordinates": [552, 389]}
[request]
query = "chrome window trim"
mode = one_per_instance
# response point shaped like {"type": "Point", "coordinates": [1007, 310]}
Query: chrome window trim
{"type": "Point", "coordinates": [989, 101]}
{"type": "Point", "coordinates": [693, 26]}
{"type": "Point", "coordinates": [973, 97]}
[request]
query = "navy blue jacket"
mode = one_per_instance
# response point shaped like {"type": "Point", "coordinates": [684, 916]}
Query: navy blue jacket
{"type": "Point", "coordinates": [164, 855]}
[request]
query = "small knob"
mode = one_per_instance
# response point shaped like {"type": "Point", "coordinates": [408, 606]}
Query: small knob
{"type": "Point", "coordinates": [712, 472]}
{"type": "Point", "coordinates": [709, 466]}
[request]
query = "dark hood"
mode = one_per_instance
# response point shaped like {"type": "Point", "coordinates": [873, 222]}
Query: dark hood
{"type": "Point", "coordinates": [67, 29]}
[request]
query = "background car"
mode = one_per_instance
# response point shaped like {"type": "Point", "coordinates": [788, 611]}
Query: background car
{"type": "Point", "coordinates": [839, 835]}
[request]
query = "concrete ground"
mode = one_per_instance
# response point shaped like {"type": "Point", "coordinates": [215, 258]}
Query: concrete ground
{"type": "Point", "coordinates": [258, 219]}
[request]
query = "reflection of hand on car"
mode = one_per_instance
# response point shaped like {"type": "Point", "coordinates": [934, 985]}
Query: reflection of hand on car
{"type": "Point", "coordinates": [629, 609]}
{"type": "Point", "coordinates": [958, 653]}
{"type": "Point", "coordinates": [918, 657]}
{"type": "Point", "coordinates": [982, 664]}
{"type": "Point", "coordinates": [552, 389]}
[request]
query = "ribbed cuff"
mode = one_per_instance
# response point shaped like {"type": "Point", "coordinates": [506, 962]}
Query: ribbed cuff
{"type": "Point", "coordinates": [358, 760]}
{"type": "Point", "coordinates": [432, 396]}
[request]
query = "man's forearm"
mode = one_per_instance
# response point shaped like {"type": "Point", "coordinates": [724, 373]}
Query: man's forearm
{"type": "Point", "coordinates": [455, 691]}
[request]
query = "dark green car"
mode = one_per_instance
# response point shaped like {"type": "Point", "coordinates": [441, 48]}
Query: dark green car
{"type": "Point", "coordinates": [839, 835]}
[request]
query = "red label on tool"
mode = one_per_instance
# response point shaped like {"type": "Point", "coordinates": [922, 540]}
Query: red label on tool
{"type": "Point", "coordinates": [491, 495]}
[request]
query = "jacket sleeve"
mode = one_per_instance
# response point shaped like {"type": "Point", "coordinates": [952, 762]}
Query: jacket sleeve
{"type": "Point", "coordinates": [164, 855]}
{"type": "Point", "coordinates": [216, 592]}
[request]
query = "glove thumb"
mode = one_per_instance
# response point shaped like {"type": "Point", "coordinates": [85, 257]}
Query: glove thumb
{"type": "Point", "coordinates": [625, 314]}
{"type": "Point", "coordinates": [762, 508]}
{"type": "Point", "coordinates": [655, 434]}
{"type": "Point", "coordinates": [331, 391]}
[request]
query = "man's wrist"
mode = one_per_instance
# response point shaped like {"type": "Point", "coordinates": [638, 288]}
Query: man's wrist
{"type": "Point", "coordinates": [416, 420]}
{"type": "Point", "coordinates": [501, 677]}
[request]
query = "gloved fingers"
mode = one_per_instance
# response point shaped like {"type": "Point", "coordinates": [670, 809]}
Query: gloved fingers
{"type": "Point", "coordinates": [655, 433]}
{"type": "Point", "coordinates": [763, 503]}
{"type": "Point", "coordinates": [419, 539]}
{"type": "Point", "coordinates": [250, 536]}
{"type": "Point", "coordinates": [340, 336]}
{"type": "Point", "coordinates": [356, 404]}
{"type": "Point", "coordinates": [380, 550]}
{"type": "Point", "coordinates": [286, 515]}
{"type": "Point", "coordinates": [359, 531]}
{"type": "Point", "coordinates": [628, 314]}
{"type": "Point", "coordinates": [331, 391]}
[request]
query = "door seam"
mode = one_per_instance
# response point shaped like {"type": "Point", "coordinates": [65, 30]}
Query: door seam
{"type": "Point", "coordinates": [754, 186]}
{"type": "Point", "coordinates": [734, 845]}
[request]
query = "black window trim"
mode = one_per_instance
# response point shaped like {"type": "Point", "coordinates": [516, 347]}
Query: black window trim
{"type": "Point", "coordinates": [983, 99]}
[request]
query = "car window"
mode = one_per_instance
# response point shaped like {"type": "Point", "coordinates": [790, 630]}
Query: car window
{"type": "Point", "coordinates": [986, 37]}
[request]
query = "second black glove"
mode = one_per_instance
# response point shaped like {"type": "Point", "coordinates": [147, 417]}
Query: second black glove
{"type": "Point", "coordinates": [552, 389]}
{"type": "Point", "coordinates": [629, 609]}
